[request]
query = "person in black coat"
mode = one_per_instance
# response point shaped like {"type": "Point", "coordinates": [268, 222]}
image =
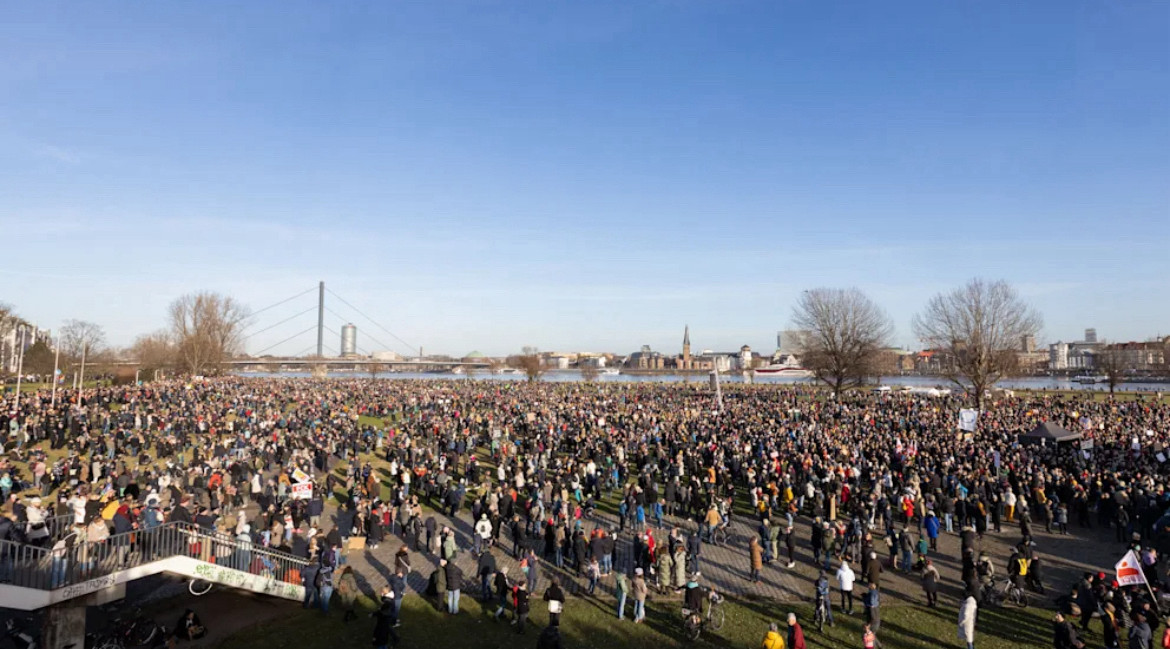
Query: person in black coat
{"type": "Point", "coordinates": [486, 568]}
{"type": "Point", "coordinates": [385, 620]}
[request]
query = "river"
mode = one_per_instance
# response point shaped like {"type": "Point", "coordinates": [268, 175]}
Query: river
{"type": "Point", "coordinates": [569, 376]}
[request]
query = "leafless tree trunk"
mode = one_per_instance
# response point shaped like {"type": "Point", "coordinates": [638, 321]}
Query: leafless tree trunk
{"type": "Point", "coordinates": [978, 326]}
{"type": "Point", "coordinates": [80, 337]}
{"type": "Point", "coordinates": [375, 369]}
{"type": "Point", "coordinates": [207, 330]}
{"type": "Point", "coordinates": [155, 351]}
{"type": "Point", "coordinates": [589, 372]}
{"type": "Point", "coordinates": [530, 362]}
{"type": "Point", "coordinates": [842, 332]}
{"type": "Point", "coordinates": [1113, 365]}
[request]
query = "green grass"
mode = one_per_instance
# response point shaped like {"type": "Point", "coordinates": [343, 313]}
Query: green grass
{"type": "Point", "coordinates": [589, 622]}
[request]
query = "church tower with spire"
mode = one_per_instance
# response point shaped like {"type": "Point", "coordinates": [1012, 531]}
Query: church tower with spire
{"type": "Point", "coordinates": [686, 351]}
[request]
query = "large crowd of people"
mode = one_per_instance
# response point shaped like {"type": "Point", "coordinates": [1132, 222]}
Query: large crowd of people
{"type": "Point", "coordinates": [865, 483]}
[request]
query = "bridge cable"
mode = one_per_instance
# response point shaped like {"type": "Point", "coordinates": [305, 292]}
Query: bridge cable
{"type": "Point", "coordinates": [272, 306]}
{"type": "Point", "coordinates": [308, 310]}
{"type": "Point", "coordinates": [359, 311]}
{"type": "Point", "coordinates": [261, 352]}
{"type": "Point", "coordinates": [367, 335]}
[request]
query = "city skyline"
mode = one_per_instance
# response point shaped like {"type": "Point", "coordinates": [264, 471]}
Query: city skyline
{"type": "Point", "coordinates": [586, 177]}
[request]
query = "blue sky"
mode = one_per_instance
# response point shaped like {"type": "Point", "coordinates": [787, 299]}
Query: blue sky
{"type": "Point", "coordinates": [568, 175]}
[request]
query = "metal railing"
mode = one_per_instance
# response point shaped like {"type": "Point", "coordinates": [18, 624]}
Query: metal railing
{"type": "Point", "coordinates": [74, 561]}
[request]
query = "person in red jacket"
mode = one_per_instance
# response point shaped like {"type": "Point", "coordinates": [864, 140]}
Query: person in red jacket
{"type": "Point", "coordinates": [795, 633]}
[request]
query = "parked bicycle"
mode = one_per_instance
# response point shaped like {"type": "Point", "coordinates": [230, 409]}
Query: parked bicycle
{"type": "Point", "coordinates": [694, 621]}
{"type": "Point", "coordinates": [1005, 593]}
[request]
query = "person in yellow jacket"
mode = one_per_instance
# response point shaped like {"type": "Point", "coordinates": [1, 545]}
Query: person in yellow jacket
{"type": "Point", "coordinates": [773, 640]}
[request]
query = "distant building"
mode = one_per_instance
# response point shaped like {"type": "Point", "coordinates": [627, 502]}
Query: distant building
{"type": "Point", "coordinates": [1079, 355]}
{"type": "Point", "coordinates": [22, 335]}
{"type": "Point", "coordinates": [1028, 344]}
{"type": "Point", "coordinates": [348, 341]}
{"type": "Point", "coordinates": [1140, 356]}
{"type": "Point", "coordinates": [387, 355]}
{"type": "Point", "coordinates": [744, 359]}
{"type": "Point", "coordinates": [687, 362]}
{"type": "Point", "coordinates": [1091, 336]}
{"type": "Point", "coordinates": [646, 359]}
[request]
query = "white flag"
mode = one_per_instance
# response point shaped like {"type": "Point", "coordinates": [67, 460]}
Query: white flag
{"type": "Point", "coordinates": [967, 418]}
{"type": "Point", "coordinates": [1129, 570]}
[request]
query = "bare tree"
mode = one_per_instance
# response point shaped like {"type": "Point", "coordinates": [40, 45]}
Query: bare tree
{"type": "Point", "coordinates": [842, 332]}
{"type": "Point", "coordinates": [1113, 364]}
{"type": "Point", "coordinates": [154, 351]}
{"type": "Point", "coordinates": [207, 330]}
{"type": "Point", "coordinates": [375, 369]}
{"type": "Point", "coordinates": [589, 371]}
{"type": "Point", "coordinates": [530, 362]}
{"type": "Point", "coordinates": [978, 326]}
{"type": "Point", "coordinates": [79, 338]}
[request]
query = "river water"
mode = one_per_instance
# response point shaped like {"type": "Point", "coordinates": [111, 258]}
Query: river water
{"type": "Point", "coordinates": [568, 376]}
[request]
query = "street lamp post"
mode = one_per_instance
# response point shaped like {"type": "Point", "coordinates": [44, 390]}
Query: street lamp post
{"type": "Point", "coordinates": [56, 362]}
{"type": "Point", "coordinates": [20, 368]}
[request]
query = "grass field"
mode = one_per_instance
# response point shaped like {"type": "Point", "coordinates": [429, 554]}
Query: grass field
{"type": "Point", "coordinates": [589, 622]}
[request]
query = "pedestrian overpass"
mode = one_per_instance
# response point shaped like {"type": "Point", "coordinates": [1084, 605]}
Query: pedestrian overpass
{"type": "Point", "coordinates": [64, 581]}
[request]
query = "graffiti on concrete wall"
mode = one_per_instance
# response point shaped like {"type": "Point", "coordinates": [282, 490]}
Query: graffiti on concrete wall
{"type": "Point", "coordinates": [265, 583]}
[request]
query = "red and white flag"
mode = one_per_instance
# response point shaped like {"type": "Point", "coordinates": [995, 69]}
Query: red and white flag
{"type": "Point", "coordinates": [1129, 570]}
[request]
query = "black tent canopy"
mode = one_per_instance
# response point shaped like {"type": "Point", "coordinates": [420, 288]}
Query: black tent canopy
{"type": "Point", "coordinates": [1050, 432]}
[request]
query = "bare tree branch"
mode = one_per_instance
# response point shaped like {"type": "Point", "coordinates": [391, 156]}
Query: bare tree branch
{"type": "Point", "coordinates": [979, 326]}
{"type": "Point", "coordinates": [207, 329]}
{"type": "Point", "coordinates": [842, 333]}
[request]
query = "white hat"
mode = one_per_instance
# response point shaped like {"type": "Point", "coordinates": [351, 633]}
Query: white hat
{"type": "Point", "coordinates": [637, 571]}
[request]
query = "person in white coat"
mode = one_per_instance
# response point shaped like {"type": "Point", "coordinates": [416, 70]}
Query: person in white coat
{"type": "Point", "coordinates": [845, 578]}
{"type": "Point", "coordinates": [967, 614]}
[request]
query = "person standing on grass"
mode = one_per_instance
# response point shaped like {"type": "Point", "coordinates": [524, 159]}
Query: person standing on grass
{"type": "Point", "coordinates": [1140, 636]}
{"type": "Point", "coordinates": [845, 578]}
{"type": "Point", "coordinates": [869, 639]}
{"type": "Point", "coordinates": [930, 583]}
{"type": "Point", "coordinates": [773, 639]}
{"type": "Point", "coordinates": [454, 586]}
{"type": "Point", "coordinates": [795, 633]}
{"type": "Point", "coordinates": [639, 590]}
{"type": "Point", "coordinates": [520, 604]}
{"type": "Point", "coordinates": [555, 597]}
{"type": "Point", "coordinates": [621, 590]}
{"type": "Point", "coordinates": [967, 613]}
{"type": "Point", "coordinates": [347, 590]}
{"type": "Point", "coordinates": [503, 589]}
{"type": "Point", "coordinates": [385, 619]}
{"type": "Point", "coordinates": [872, 602]}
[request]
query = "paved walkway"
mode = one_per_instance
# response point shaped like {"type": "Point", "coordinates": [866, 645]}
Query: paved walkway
{"type": "Point", "coordinates": [726, 568]}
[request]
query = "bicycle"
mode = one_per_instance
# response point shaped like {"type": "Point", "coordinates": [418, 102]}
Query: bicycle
{"type": "Point", "coordinates": [1006, 593]}
{"type": "Point", "coordinates": [821, 614]}
{"type": "Point", "coordinates": [694, 621]}
{"type": "Point", "coordinates": [721, 535]}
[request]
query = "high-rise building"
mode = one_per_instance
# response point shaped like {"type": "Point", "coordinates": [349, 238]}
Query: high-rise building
{"type": "Point", "coordinates": [1090, 335]}
{"type": "Point", "coordinates": [1028, 344]}
{"type": "Point", "coordinates": [349, 340]}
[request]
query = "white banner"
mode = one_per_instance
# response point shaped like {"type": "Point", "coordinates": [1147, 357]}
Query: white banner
{"type": "Point", "coordinates": [967, 419]}
{"type": "Point", "coordinates": [300, 476]}
{"type": "Point", "coordinates": [302, 491]}
{"type": "Point", "coordinates": [1129, 570]}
